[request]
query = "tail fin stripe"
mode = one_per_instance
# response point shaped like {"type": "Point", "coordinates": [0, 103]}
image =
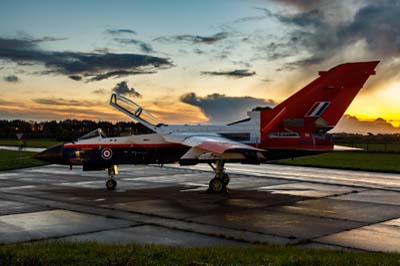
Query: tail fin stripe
{"type": "Point", "coordinates": [317, 109]}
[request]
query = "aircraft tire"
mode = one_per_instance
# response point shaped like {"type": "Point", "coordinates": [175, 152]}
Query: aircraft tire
{"type": "Point", "coordinates": [111, 184]}
{"type": "Point", "coordinates": [216, 185]}
{"type": "Point", "coordinates": [225, 179]}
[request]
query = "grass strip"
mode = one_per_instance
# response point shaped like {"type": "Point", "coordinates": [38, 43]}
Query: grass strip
{"type": "Point", "coordinates": [92, 253]}
{"type": "Point", "coordinates": [16, 159]}
{"type": "Point", "coordinates": [37, 143]}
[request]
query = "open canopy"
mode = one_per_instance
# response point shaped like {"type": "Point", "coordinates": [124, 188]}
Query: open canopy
{"type": "Point", "coordinates": [134, 111]}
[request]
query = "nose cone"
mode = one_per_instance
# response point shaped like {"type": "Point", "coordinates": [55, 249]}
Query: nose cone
{"type": "Point", "coordinates": [52, 155]}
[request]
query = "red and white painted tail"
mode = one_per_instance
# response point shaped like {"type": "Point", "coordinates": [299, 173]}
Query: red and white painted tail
{"type": "Point", "coordinates": [300, 121]}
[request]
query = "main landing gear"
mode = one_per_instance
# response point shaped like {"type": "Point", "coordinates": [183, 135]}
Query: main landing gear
{"type": "Point", "coordinates": [111, 183]}
{"type": "Point", "coordinates": [221, 180]}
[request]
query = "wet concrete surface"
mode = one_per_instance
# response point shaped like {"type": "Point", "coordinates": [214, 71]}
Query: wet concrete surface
{"type": "Point", "coordinates": [383, 237]}
{"type": "Point", "coordinates": [52, 223]}
{"type": "Point", "coordinates": [265, 204]}
{"type": "Point", "coordinates": [14, 207]}
{"type": "Point", "coordinates": [150, 234]}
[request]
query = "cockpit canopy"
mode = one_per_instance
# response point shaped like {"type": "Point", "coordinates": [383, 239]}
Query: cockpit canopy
{"type": "Point", "coordinates": [134, 111]}
{"type": "Point", "coordinates": [94, 134]}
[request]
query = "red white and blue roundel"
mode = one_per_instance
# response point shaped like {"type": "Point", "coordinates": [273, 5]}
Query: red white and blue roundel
{"type": "Point", "coordinates": [106, 153]}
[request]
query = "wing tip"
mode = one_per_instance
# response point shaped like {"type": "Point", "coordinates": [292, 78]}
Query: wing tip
{"type": "Point", "coordinates": [346, 148]}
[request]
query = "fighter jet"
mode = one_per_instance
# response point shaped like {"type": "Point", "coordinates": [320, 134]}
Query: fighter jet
{"type": "Point", "coordinates": [296, 127]}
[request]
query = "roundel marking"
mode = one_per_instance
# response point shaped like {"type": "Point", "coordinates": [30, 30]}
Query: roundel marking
{"type": "Point", "coordinates": [106, 153]}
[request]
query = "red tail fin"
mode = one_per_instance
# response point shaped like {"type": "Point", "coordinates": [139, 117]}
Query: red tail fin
{"type": "Point", "coordinates": [321, 104]}
{"type": "Point", "coordinates": [326, 98]}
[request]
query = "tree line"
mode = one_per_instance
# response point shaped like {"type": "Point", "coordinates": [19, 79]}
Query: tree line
{"type": "Point", "coordinates": [66, 130]}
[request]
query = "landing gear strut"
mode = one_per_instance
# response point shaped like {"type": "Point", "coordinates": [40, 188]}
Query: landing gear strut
{"type": "Point", "coordinates": [221, 180]}
{"type": "Point", "coordinates": [111, 183]}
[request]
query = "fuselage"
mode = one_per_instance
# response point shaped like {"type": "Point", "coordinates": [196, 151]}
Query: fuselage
{"type": "Point", "coordinates": [99, 152]}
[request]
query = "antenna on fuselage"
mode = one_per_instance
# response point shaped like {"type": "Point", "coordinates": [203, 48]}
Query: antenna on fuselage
{"type": "Point", "coordinates": [134, 111]}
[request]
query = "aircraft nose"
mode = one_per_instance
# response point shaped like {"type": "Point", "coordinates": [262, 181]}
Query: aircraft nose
{"type": "Point", "coordinates": [52, 155]}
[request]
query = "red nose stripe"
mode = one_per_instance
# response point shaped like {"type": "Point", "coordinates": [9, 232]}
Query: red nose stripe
{"type": "Point", "coordinates": [114, 145]}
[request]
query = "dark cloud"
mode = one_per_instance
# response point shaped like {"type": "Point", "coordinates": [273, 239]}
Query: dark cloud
{"type": "Point", "coordinates": [122, 88]}
{"type": "Point", "coordinates": [64, 102]}
{"type": "Point", "coordinates": [100, 91]}
{"type": "Point", "coordinates": [75, 77]}
{"type": "Point", "coordinates": [351, 124]}
{"type": "Point", "coordinates": [103, 50]}
{"type": "Point", "coordinates": [25, 43]}
{"type": "Point", "coordinates": [120, 31]}
{"type": "Point", "coordinates": [11, 78]}
{"type": "Point", "coordinates": [242, 63]}
{"type": "Point", "coordinates": [237, 73]}
{"type": "Point", "coordinates": [47, 39]}
{"type": "Point", "coordinates": [311, 18]}
{"type": "Point", "coordinates": [266, 50]}
{"type": "Point", "coordinates": [300, 4]}
{"type": "Point", "coordinates": [90, 66]}
{"type": "Point", "coordinates": [17, 44]}
{"type": "Point", "coordinates": [307, 27]}
{"type": "Point", "coordinates": [303, 63]}
{"type": "Point", "coordinates": [144, 47]}
{"type": "Point", "coordinates": [196, 39]}
{"type": "Point", "coordinates": [376, 24]}
{"type": "Point", "coordinates": [308, 31]}
{"type": "Point", "coordinates": [220, 108]}
{"type": "Point", "coordinates": [198, 51]}
{"type": "Point", "coordinates": [118, 74]}
{"type": "Point", "coordinates": [251, 18]}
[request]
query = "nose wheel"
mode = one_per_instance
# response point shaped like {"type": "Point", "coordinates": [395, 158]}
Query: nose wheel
{"type": "Point", "coordinates": [111, 183]}
{"type": "Point", "coordinates": [216, 185]}
{"type": "Point", "coordinates": [219, 183]}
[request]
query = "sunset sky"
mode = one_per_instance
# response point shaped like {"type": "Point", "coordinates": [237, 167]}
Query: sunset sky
{"type": "Point", "coordinates": [200, 61]}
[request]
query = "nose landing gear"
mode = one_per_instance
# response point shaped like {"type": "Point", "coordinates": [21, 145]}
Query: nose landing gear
{"type": "Point", "coordinates": [111, 183]}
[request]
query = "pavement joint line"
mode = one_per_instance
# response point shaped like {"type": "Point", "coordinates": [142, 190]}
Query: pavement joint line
{"type": "Point", "coordinates": [371, 189]}
{"type": "Point", "coordinates": [29, 211]}
{"type": "Point", "coordinates": [355, 228]}
{"type": "Point", "coordinates": [266, 207]}
{"type": "Point", "coordinates": [228, 228]}
{"type": "Point", "coordinates": [68, 235]}
{"type": "Point", "coordinates": [297, 180]}
{"type": "Point", "coordinates": [316, 216]}
{"type": "Point", "coordinates": [255, 231]}
{"type": "Point", "coordinates": [347, 247]}
{"type": "Point", "coordinates": [332, 218]}
{"type": "Point", "coordinates": [116, 216]}
{"type": "Point", "coordinates": [301, 239]}
{"type": "Point", "coordinates": [216, 235]}
{"type": "Point", "coordinates": [334, 245]}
